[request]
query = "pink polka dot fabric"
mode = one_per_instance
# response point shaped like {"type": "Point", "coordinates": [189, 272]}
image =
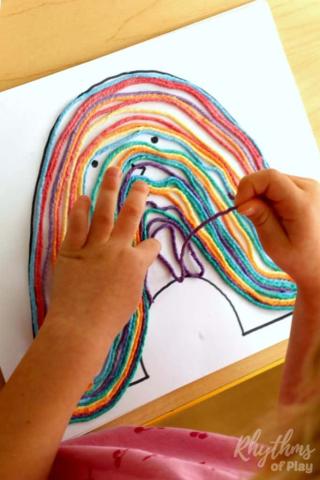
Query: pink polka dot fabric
{"type": "Point", "coordinates": [125, 453]}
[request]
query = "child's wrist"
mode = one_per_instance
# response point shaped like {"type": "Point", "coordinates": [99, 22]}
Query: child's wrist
{"type": "Point", "coordinates": [82, 332]}
{"type": "Point", "coordinates": [308, 302]}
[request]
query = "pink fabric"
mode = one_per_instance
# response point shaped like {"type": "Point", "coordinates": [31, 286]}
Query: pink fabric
{"type": "Point", "coordinates": [125, 453]}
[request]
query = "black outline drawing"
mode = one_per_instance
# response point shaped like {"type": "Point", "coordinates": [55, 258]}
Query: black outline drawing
{"type": "Point", "coordinates": [142, 379]}
{"type": "Point", "coordinates": [237, 316]}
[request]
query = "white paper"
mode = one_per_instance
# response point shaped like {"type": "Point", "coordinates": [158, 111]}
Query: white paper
{"type": "Point", "coordinates": [238, 58]}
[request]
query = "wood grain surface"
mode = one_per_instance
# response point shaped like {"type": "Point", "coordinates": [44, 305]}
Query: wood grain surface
{"type": "Point", "coordinates": [39, 37]}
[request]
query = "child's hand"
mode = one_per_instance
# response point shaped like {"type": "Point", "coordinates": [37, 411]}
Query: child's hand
{"type": "Point", "coordinates": [285, 212]}
{"type": "Point", "coordinates": [99, 275]}
{"type": "Point", "coordinates": [97, 284]}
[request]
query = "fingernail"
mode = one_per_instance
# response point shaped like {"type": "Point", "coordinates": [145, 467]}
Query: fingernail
{"type": "Point", "coordinates": [247, 211]}
{"type": "Point", "coordinates": [85, 199]}
{"type": "Point", "coordinates": [141, 186]}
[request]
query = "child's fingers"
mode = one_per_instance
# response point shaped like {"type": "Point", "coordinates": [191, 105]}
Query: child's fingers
{"type": "Point", "coordinates": [149, 249]}
{"type": "Point", "coordinates": [270, 231]}
{"type": "Point", "coordinates": [78, 225]}
{"type": "Point", "coordinates": [103, 217]}
{"type": "Point", "coordinates": [131, 213]}
{"type": "Point", "coordinates": [305, 184]}
{"type": "Point", "coordinates": [283, 194]}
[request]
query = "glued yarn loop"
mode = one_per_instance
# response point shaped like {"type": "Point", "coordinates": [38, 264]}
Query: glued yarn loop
{"type": "Point", "coordinates": [192, 154]}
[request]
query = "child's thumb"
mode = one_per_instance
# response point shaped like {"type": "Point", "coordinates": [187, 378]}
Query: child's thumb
{"type": "Point", "coordinates": [267, 224]}
{"type": "Point", "coordinates": [150, 249]}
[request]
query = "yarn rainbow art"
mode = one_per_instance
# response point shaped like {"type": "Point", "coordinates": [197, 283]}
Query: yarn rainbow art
{"type": "Point", "coordinates": [192, 154]}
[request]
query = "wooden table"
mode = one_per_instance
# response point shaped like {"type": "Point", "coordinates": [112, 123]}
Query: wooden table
{"type": "Point", "coordinates": [39, 37]}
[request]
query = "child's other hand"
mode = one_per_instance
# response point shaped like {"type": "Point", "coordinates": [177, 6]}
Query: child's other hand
{"type": "Point", "coordinates": [285, 212]}
{"type": "Point", "coordinates": [99, 275]}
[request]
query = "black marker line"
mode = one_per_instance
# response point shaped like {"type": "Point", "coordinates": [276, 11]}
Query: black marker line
{"type": "Point", "coordinates": [142, 379]}
{"type": "Point", "coordinates": [255, 329]}
{"type": "Point", "coordinates": [243, 331]}
{"type": "Point", "coordinates": [213, 285]}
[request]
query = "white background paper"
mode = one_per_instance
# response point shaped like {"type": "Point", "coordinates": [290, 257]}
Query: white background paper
{"type": "Point", "coordinates": [237, 57]}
